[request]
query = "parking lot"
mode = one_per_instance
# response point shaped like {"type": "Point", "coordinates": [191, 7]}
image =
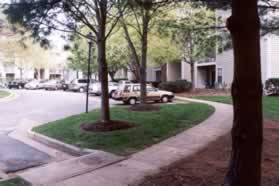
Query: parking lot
{"type": "Point", "coordinates": [40, 106]}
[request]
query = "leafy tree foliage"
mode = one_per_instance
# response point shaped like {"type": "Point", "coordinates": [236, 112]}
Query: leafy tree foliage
{"type": "Point", "coordinates": [162, 49]}
{"type": "Point", "coordinates": [43, 16]}
{"type": "Point", "coordinates": [194, 30]}
{"type": "Point", "coordinates": [79, 56]}
{"type": "Point", "coordinates": [24, 54]}
{"type": "Point", "coordinates": [143, 12]}
{"type": "Point", "coordinates": [116, 54]}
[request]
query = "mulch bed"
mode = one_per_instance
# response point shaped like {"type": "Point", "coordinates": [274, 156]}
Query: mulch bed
{"type": "Point", "coordinates": [205, 92]}
{"type": "Point", "coordinates": [144, 108]}
{"type": "Point", "coordinates": [209, 166]}
{"type": "Point", "coordinates": [106, 127]}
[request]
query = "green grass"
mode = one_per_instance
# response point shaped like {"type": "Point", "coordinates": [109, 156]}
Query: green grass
{"type": "Point", "coordinates": [270, 104]}
{"type": "Point", "coordinates": [151, 127]}
{"type": "Point", "coordinates": [14, 182]}
{"type": "Point", "coordinates": [4, 94]}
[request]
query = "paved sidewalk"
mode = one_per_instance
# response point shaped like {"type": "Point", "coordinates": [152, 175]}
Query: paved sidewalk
{"type": "Point", "coordinates": [150, 160]}
{"type": "Point", "coordinates": [10, 97]}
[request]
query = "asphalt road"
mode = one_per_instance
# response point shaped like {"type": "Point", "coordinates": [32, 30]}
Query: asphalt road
{"type": "Point", "coordinates": [34, 107]}
{"type": "Point", "coordinates": [15, 155]}
{"type": "Point", "coordinates": [41, 106]}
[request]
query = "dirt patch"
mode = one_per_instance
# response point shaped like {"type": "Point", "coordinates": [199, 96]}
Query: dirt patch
{"type": "Point", "coordinates": [106, 127]}
{"type": "Point", "coordinates": [206, 92]}
{"type": "Point", "coordinates": [144, 108]}
{"type": "Point", "coordinates": [209, 166]}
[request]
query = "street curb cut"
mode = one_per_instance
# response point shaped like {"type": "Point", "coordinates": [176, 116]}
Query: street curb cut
{"type": "Point", "coordinates": [72, 150]}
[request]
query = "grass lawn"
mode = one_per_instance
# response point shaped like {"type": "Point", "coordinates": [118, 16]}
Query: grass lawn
{"type": "Point", "coordinates": [151, 127]}
{"type": "Point", "coordinates": [4, 94]}
{"type": "Point", "coordinates": [270, 104]}
{"type": "Point", "coordinates": [14, 182]}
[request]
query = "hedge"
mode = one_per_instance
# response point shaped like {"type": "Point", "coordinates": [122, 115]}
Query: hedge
{"type": "Point", "coordinates": [176, 86]}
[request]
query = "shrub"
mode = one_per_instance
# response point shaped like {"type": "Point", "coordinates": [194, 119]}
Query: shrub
{"type": "Point", "coordinates": [272, 81]}
{"type": "Point", "coordinates": [176, 86]}
{"type": "Point", "coordinates": [154, 83]}
{"type": "Point", "coordinates": [117, 80]}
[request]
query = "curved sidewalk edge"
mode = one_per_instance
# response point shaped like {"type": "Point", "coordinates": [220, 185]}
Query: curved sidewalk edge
{"type": "Point", "coordinates": [150, 160]}
{"type": "Point", "coordinates": [70, 149]}
{"type": "Point", "coordinates": [11, 97]}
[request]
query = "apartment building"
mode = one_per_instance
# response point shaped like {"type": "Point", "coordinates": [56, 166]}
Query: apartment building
{"type": "Point", "coordinates": [218, 72]}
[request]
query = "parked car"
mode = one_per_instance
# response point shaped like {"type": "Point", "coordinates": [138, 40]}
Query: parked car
{"type": "Point", "coordinates": [271, 87]}
{"type": "Point", "coordinates": [130, 94]}
{"type": "Point", "coordinates": [95, 88]}
{"type": "Point", "coordinates": [65, 85]}
{"type": "Point", "coordinates": [16, 84]}
{"type": "Point", "coordinates": [79, 85]}
{"type": "Point", "coordinates": [2, 85]}
{"type": "Point", "coordinates": [32, 85]}
{"type": "Point", "coordinates": [43, 83]}
{"type": "Point", "coordinates": [53, 85]}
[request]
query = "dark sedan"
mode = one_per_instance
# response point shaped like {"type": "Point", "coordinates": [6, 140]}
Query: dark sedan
{"type": "Point", "coordinates": [16, 84]}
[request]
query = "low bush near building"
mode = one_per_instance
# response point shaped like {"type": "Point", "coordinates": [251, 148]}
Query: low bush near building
{"type": "Point", "coordinates": [176, 86]}
{"type": "Point", "coordinates": [271, 87]}
{"type": "Point", "coordinates": [155, 83]}
{"type": "Point", "coordinates": [272, 81]}
{"type": "Point", "coordinates": [117, 80]}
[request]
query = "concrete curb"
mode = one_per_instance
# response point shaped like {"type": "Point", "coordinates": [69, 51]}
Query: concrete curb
{"type": "Point", "coordinates": [12, 96]}
{"type": "Point", "coordinates": [150, 160]}
{"type": "Point", "coordinates": [8, 178]}
{"type": "Point", "coordinates": [72, 150]}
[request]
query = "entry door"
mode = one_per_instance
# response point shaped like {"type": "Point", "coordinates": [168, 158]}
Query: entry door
{"type": "Point", "coordinates": [211, 78]}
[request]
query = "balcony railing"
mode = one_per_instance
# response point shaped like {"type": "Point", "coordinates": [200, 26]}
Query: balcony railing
{"type": "Point", "coordinates": [207, 60]}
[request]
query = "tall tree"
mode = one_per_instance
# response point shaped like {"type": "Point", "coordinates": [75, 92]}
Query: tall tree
{"type": "Point", "coordinates": [194, 30]}
{"type": "Point", "coordinates": [44, 16]}
{"type": "Point", "coordinates": [142, 11]}
{"type": "Point", "coordinates": [162, 49]}
{"type": "Point", "coordinates": [247, 132]}
{"type": "Point", "coordinates": [117, 54]}
{"type": "Point", "coordinates": [24, 54]}
{"type": "Point", "coordinates": [78, 58]}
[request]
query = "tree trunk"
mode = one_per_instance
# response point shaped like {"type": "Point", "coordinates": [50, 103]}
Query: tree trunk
{"type": "Point", "coordinates": [39, 74]}
{"type": "Point", "coordinates": [135, 64]}
{"type": "Point", "coordinates": [164, 73]}
{"type": "Point", "coordinates": [103, 77]}
{"type": "Point", "coordinates": [102, 63]}
{"type": "Point", "coordinates": [137, 74]}
{"type": "Point", "coordinates": [192, 69]}
{"type": "Point", "coordinates": [245, 164]}
{"type": "Point", "coordinates": [112, 74]}
{"type": "Point", "coordinates": [192, 62]}
{"type": "Point", "coordinates": [21, 73]}
{"type": "Point", "coordinates": [144, 44]}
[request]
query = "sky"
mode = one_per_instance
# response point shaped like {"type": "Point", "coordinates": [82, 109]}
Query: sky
{"type": "Point", "coordinates": [57, 43]}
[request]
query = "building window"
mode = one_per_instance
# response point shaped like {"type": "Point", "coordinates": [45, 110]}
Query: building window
{"type": "Point", "coordinates": [220, 75]}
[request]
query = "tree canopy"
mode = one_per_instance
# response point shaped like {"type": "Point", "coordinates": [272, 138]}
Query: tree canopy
{"type": "Point", "coordinates": [42, 17]}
